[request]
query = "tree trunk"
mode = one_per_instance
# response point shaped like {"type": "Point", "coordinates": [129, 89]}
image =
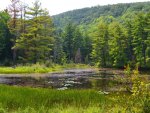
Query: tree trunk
{"type": "Point", "coordinates": [14, 56]}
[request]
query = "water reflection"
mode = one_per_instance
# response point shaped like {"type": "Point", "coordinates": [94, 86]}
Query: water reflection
{"type": "Point", "coordinates": [74, 79]}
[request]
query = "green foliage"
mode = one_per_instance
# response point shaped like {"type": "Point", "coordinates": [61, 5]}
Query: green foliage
{"type": "Point", "coordinates": [147, 29]}
{"type": "Point", "coordinates": [59, 54]}
{"type": "Point", "coordinates": [37, 40]}
{"type": "Point", "coordinates": [86, 16]}
{"type": "Point", "coordinates": [87, 49]}
{"type": "Point", "coordinates": [122, 45]}
{"type": "Point", "coordinates": [140, 37]}
{"type": "Point", "coordinates": [5, 40]}
{"type": "Point", "coordinates": [73, 40]}
{"type": "Point", "coordinates": [117, 44]}
{"type": "Point", "coordinates": [58, 109]}
{"type": "Point", "coordinates": [128, 27]}
{"type": "Point", "coordinates": [23, 99]}
{"type": "Point", "coordinates": [107, 36]}
{"type": "Point", "coordinates": [100, 47]}
{"type": "Point", "coordinates": [135, 92]}
{"type": "Point", "coordinates": [125, 41]}
{"type": "Point", "coordinates": [15, 25]}
{"type": "Point", "coordinates": [40, 68]}
{"type": "Point", "coordinates": [69, 40]}
{"type": "Point", "coordinates": [140, 91]}
{"type": "Point", "coordinates": [36, 98]}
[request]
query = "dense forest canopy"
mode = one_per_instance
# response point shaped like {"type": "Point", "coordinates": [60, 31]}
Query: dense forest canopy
{"type": "Point", "coordinates": [87, 16]}
{"type": "Point", "coordinates": [106, 36]}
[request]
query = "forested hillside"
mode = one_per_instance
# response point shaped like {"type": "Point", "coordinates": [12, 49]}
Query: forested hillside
{"type": "Point", "coordinates": [86, 16]}
{"type": "Point", "coordinates": [113, 35]}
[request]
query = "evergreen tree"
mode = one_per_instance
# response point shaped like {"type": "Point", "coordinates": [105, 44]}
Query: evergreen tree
{"type": "Point", "coordinates": [100, 52]}
{"type": "Point", "coordinates": [2, 32]}
{"type": "Point", "coordinates": [140, 38]}
{"type": "Point", "coordinates": [73, 41]}
{"type": "Point", "coordinates": [14, 24]}
{"type": "Point", "coordinates": [37, 40]}
{"type": "Point", "coordinates": [87, 48]}
{"type": "Point", "coordinates": [129, 39]}
{"type": "Point", "coordinates": [59, 54]}
{"type": "Point", "coordinates": [117, 44]}
{"type": "Point", "coordinates": [78, 43]}
{"type": "Point", "coordinates": [69, 41]}
{"type": "Point", "coordinates": [147, 29]}
{"type": "Point", "coordinates": [5, 40]}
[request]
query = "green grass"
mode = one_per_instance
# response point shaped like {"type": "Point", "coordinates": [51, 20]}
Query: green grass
{"type": "Point", "coordinates": [39, 68]}
{"type": "Point", "coordinates": [57, 109]}
{"type": "Point", "coordinates": [24, 98]}
{"type": "Point", "coordinates": [15, 99]}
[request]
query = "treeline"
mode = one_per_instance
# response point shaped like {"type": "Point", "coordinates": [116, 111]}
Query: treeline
{"type": "Point", "coordinates": [86, 16]}
{"type": "Point", "coordinates": [28, 35]}
{"type": "Point", "coordinates": [117, 34]}
{"type": "Point", "coordinates": [111, 42]}
{"type": "Point", "coordinates": [120, 43]}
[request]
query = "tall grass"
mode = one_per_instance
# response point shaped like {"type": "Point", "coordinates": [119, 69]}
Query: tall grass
{"type": "Point", "coordinates": [14, 98]}
{"type": "Point", "coordinates": [37, 100]}
{"type": "Point", "coordinates": [57, 109]}
{"type": "Point", "coordinates": [38, 68]}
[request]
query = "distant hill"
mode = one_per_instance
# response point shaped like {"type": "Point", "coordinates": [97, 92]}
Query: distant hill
{"type": "Point", "coordinates": [86, 16]}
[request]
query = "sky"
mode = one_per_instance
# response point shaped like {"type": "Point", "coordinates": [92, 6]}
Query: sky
{"type": "Point", "coordinates": [59, 6]}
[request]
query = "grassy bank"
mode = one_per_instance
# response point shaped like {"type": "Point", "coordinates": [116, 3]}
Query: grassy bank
{"type": "Point", "coordinates": [39, 68]}
{"type": "Point", "coordinates": [37, 100]}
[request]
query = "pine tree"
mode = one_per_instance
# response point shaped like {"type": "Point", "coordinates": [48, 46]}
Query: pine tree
{"type": "Point", "coordinates": [100, 50]}
{"type": "Point", "coordinates": [37, 40]}
{"type": "Point", "coordinates": [129, 39]}
{"type": "Point", "coordinates": [73, 40]}
{"type": "Point", "coordinates": [59, 54]}
{"type": "Point", "coordinates": [2, 32]}
{"type": "Point", "coordinates": [69, 41]}
{"type": "Point", "coordinates": [78, 44]}
{"type": "Point", "coordinates": [117, 44]}
{"type": "Point", "coordinates": [4, 35]}
{"type": "Point", "coordinates": [139, 39]}
{"type": "Point", "coordinates": [147, 29]}
{"type": "Point", "coordinates": [87, 48]}
{"type": "Point", "coordinates": [14, 24]}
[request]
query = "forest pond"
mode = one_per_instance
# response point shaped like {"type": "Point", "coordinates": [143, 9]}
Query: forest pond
{"type": "Point", "coordinates": [104, 80]}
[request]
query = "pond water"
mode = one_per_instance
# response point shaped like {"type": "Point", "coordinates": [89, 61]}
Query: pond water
{"type": "Point", "coordinates": [68, 79]}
